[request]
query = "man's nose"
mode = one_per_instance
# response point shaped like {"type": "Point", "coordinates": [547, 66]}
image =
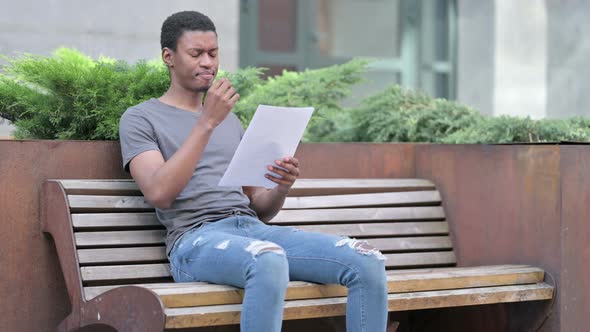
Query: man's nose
{"type": "Point", "coordinates": [206, 61]}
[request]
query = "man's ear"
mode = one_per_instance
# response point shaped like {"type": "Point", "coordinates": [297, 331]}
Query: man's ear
{"type": "Point", "coordinates": [168, 56]}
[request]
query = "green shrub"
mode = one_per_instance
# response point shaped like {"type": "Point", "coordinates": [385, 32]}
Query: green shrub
{"type": "Point", "coordinates": [400, 115]}
{"type": "Point", "coordinates": [509, 129]}
{"type": "Point", "coordinates": [323, 89]}
{"type": "Point", "coordinates": [71, 96]}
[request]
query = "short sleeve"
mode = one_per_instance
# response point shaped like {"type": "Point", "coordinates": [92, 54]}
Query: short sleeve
{"type": "Point", "coordinates": [242, 130]}
{"type": "Point", "coordinates": [136, 134]}
{"type": "Point", "coordinates": [238, 124]}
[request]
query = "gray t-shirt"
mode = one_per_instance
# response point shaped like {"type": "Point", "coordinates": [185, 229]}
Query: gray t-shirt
{"type": "Point", "coordinates": [153, 125]}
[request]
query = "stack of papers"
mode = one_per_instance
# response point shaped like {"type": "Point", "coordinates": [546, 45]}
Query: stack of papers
{"type": "Point", "coordinates": [273, 133]}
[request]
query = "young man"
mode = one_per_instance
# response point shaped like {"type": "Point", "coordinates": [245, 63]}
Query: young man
{"type": "Point", "coordinates": [177, 148]}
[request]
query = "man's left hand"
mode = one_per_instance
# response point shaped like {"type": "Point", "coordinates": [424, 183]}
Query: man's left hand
{"type": "Point", "coordinates": [285, 172]}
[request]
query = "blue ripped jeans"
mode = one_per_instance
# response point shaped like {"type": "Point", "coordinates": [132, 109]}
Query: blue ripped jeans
{"type": "Point", "coordinates": [244, 252]}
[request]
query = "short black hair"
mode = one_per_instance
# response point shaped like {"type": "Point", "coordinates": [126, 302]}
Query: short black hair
{"type": "Point", "coordinates": [176, 24]}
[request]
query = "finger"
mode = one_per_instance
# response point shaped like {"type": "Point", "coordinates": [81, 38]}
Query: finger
{"type": "Point", "coordinates": [289, 167]}
{"type": "Point", "coordinates": [284, 174]}
{"type": "Point", "coordinates": [292, 160]}
{"type": "Point", "coordinates": [279, 180]}
{"type": "Point", "coordinates": [225, 84]}
{"type": "Point", "coordinates": [217, 84]}
{"type": "Point", "coordinates": [234, 99]}
{"type": "Point", "coordinates": [229, 93]}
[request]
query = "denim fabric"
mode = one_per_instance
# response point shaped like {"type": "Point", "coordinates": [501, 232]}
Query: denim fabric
{"type": "Point", "coordinates": [244, 252]}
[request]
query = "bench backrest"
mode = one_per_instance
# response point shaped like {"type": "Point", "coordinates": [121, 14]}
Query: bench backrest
{"type": "Point", "coordinates": [118, 239]}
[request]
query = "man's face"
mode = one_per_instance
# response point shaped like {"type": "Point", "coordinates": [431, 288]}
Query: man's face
{"type": "Point", "coordinates": [195, 62]}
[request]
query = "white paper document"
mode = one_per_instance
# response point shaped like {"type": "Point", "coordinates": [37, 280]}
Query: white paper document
{"type": "Point", "coordinates": [273, 134]}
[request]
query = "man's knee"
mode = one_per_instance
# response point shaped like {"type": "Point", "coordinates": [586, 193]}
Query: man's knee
{"type": "Point", "coordinates": [269, 259]}
{"type": "Point", "coordinates": [361, 247]}
{"type": "Point", "coordinates": [257, 248]}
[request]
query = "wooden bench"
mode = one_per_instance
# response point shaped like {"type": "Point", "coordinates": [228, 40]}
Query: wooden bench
{"type": "Point", "coordinates": [110, 247]}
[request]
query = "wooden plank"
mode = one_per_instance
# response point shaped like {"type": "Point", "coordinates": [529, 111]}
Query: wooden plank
{"type": "Point", "coordinates": [122, 255]}
{"type": "Point", "coordinates": [358, 200]}
{"type": "Point", "coordinates": [311, 187]}
{"type": "Point", "coordinates": [487, 268]}
{"type": "Point", "coordinates": [314, 308]}
{"type": "Point", "coordinates": [184, 294]}
{"type": "Point", "coordinates": [85, 203]}
{"type": "Point", "coordinates": [302, 187]}
{"type": "Point", "coordinates": [125, 272]}
{"type": "Point", "coordinates": [209, 294]}
{"type": "Point", "coordinates": [123, 238]}
{"type": "Point", "coordinates": [100, 187]}
{"type": "Point", "coordinates": [140, 271]}
{"type": "Point", "coordinates": [381, 229]}
{"type": "Point", "coordinates": [89, 203]}
{"type": "Point", "coordinates": [470, 296]}
{"type": "Point", "coordinates": [131, 238]}
{"type": "Point", "coordinates": [456, 278]}
{"type": "Point", "coordinates": [406, 260]}
{"type": "Point", "coordinates": [422, 213]}
{"type": "Point", "coordinates": [82, 221]}
{"type": "Point", "coordinates": [400, 244]}
{"type": "Point", "coordinates": [156, 254]}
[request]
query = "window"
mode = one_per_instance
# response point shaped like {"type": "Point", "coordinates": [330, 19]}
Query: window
{"type": "Point", "coordinates": [412, 40]}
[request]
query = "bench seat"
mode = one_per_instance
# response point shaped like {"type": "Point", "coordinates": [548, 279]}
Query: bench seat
{"type": "Point", "coordinates": [110, 247]}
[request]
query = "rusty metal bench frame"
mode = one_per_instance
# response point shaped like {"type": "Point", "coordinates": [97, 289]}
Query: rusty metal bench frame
{"type": "Point", "coordinates": [422, 274]}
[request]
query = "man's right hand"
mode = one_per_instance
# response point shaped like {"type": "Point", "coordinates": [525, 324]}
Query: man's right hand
{"type": "Point", "coordinates": [221, 98]}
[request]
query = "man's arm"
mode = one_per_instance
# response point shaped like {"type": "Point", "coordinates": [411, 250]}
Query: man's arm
{"type": "Point", "coordinates": [162, 181]}
{"type": "Point", "coordinates": [266, 202]}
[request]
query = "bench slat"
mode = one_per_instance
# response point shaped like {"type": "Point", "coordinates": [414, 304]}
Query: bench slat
{"type": "Point", "coordinates": [83, 221]}
{"type": "Point", "coordinates": [313, 308]}
{"type": "Point", "coordinates": [151, 271]}
{"type": "Point", "coordinates": [382, 229]}
{"type": "Point", "coordinates": [302, 187]}
{"type": "Point", "coordinates": [416, 259]}
{"type": "Point", "coordinates": [85, 203]}
{"type": "Point", "coordinates": [127, 238]}
{"type": "Point", "coordinates": [157, 254]}
{"type": "Point", "coordinates": [209, 294]}
{"type": "Point", "coordinates": [371, 199]}
{"type": "Point", "coordinates": [100, 187]}
{"type": "Point", "coordinates": [122, 255]}
{"type": "Point", "coordinates": [310, 187]}
{"type": "Point", "coordinates": [123, 238]}
{"type": "Point", "coordinates": [125, 272]}
{"type": "Point", "coordinates": [89, 203]}
{"type": "Point", "coordinates": [358, 215]}
{"type": "Point", "coordinates": [200, 293]}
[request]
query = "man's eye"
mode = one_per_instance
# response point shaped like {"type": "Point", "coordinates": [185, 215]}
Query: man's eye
{"type": "Point", "coordinates": [213, 54]}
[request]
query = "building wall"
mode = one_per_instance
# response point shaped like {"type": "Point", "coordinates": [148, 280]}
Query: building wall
{"type": "Point", "coordinates": [568, 58]}
{"type": "Point", "coordinates": [475, 54]}
{"type": "Point", "coordinates": [520, 54]}
{"type": "Point", "coordinates": [127, 30]}
{"type": "Point", "coordinates": [524, 58]}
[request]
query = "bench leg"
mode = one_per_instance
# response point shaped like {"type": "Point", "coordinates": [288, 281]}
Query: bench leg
{"type": "Point", "coordinates": [392, 326]}
{"type": "Point", "coordinates": [129, 309]}
{"type": "Point", "coordinates": [70, 324]}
